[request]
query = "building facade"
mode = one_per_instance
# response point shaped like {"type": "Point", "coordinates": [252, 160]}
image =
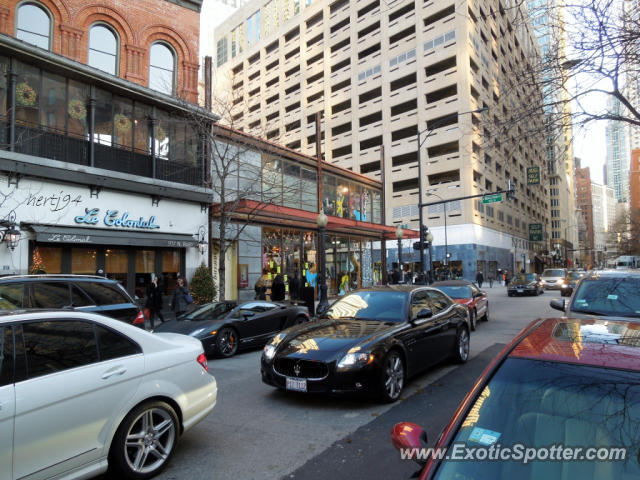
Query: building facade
{"type": "Point", "coordinates": [584, 202]}
{"type": "Point", "coordinates": [379, 74]}
{"type": "Point", "coordinates": [618, 154]}
{"type": "Point", "coordinates": [102, 170]}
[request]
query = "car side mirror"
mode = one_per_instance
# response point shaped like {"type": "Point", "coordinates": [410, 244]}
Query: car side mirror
{"type": "Point", "coordinates": [406, 435]}
{"type": "Point", "coordinates": [558, 304]}
{"type": "Point", "coordinates": [424, 313]}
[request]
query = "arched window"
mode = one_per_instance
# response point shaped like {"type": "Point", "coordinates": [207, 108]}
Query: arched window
{"type": "Point", "coordinates": [103, 49]}
{"type": "Point", "coordinates": [161, 68]}
{"type": "Point", "coordinates": [33, 25]}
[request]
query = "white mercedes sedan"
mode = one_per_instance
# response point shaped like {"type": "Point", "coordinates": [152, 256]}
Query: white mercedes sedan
{"type": "Point", "coordinates": [80, 393]}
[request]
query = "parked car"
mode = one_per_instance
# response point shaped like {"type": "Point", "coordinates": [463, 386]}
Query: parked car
{"type": "Point", "coordinates": [604, 294]}
{"type": "Point", "coordinates": [224, 328]}
{"type": "Point", "coordinates": [84, 293]}
{"type": "Point", "coordinates": [371, 340]}
{"type": "Point", "coordinates": [525, 284]}
{"type": "Point", "coordinates": [81, 393]}
{"type": "Point", "coordinates": [568, 382]}
{"type": "Point", "coordinates": [552, 278]}
{"type": "Point", "coordinates": [468, 294]}
{"type": "Point", "coordinates": [570, 282]}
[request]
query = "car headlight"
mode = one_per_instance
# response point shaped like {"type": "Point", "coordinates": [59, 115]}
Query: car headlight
{"type": "Point", "coordinates": [269, 351]}
{"type": "Point", "coordinates": [354, 360]}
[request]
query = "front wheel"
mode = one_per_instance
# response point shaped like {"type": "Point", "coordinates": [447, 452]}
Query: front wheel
{"type": "Point", "coordinates": [227, 342]}
{"type": "Point", "coordinates": [392, 377]}
{"type": "Point", "coordinates": [461, 349]}
{"type": "Point", "coordinates": [144, 442]}
{"type": "Point", "coordinates": [486, 314]}
{"type": "Point", "coordinates": [473, 319]}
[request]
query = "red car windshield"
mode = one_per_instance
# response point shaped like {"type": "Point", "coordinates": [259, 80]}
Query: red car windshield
{"type": "Point", "coordinates": [534, 404]}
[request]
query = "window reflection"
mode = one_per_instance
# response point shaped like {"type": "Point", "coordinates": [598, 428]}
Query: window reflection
{"type": "Point", "coordinates": [161, 68]}
{"type": "Point", "coordinates": [103, 49]}
{"type": "Point", "coordinates": [33, 25]}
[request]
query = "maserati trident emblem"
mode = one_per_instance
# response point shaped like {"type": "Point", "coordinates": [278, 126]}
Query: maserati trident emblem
{"type": "Point", "coordinates": [297, 369]}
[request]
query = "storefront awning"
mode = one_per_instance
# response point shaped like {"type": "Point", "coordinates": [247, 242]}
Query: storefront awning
{"type": "Point", "coordinates": [269, 214]}
{"type": "Point", "coordinates": [101, 236]}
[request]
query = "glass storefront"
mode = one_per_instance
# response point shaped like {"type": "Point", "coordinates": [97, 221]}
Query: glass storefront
{"type": "Point", "coordinates": [293, 254]}
{"type": "Point", "coordinates": [345, 199]}
{"type": "Point", "coordinates": [132, 267]}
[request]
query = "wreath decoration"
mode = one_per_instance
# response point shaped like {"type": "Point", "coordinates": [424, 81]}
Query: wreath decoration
{"type": "Point", "coordinates": [25, 95]}
{"type": "Point", "coordinates": [123, 124]}
{"type": "Point", "coordinates": [77, 109]}
{"type": "Point", "coordinates": [160, 134]}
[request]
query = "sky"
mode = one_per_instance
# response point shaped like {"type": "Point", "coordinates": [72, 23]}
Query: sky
{"type": "Point", "coordinates": [590, 146]}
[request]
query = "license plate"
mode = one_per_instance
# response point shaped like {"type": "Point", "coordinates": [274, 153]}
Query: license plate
{"type": "Point", "coordinates": [297, 384]}
{"type": "Point", "coordinates": [519, 290]}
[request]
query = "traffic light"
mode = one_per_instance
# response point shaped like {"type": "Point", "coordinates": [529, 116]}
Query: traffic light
{"type": "Point", "coordinates": [424, 230]}
{"type": "Point", "coordinates": [511, 189]}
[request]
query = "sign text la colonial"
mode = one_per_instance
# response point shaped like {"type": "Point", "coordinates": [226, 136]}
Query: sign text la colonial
{"type": "Point", "coordinates": [113, 219]}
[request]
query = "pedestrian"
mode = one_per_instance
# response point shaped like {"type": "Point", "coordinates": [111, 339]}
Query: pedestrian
{"type": "Point", "coordinates": [294, 286]}
{"type": "Point", "coordinates": [178, 303]}
{"type": "Point", "coordinates": [479, 278]}
{"type": "Point", "coordinates": [154, 301]}
{"type": "Point", "coordinates": [491, 278]}
{"type": "Point", "coordinates": [278, 289]}
{"type": "Point", "coordinates": [261, 286]}
{"type": "Point", "coordinates": [344, 283]}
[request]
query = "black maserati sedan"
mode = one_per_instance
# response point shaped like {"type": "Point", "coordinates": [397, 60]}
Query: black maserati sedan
{"type": "Point", "coordinates": [525, 284]}
{"type": "Point", "coordinates": [371, 341]}
{"type": "Point", "coordinates": [225, 327]}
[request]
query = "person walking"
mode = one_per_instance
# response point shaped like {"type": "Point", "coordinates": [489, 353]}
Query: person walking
{"type": "Point", "coordinates": [178, 303]}
{"type": "Point", "coordinates": [261, 286]}
{"type": "Point", "coordinates": [154, 301]}
{"type": "Point", "coordinates": [491, 279]}
{"type": "Point", "coordinates": [479, 278]}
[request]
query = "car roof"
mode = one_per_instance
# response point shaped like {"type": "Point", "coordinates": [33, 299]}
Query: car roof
{"type": "Point", "coordinates": [391, 288]}
{"type": "Point", "coordinates": [70, 276]}
{"type": "Point", "coordinates": [457, 283]}
{"type": "Point", "coordinates": [596, 274]}
{"type": "Point", "coordinates": [585, 341]}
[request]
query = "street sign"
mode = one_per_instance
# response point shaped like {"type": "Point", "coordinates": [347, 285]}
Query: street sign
{"type": "Point", "coordinates": [535, 232]}
{"type": "Point", "coordinates": [533, 175]}
{"type": "Point", "coordinates": [496, 197]}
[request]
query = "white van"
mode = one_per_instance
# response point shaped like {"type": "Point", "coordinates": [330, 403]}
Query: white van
{"type": "Point", "coordinates": [627, 261]}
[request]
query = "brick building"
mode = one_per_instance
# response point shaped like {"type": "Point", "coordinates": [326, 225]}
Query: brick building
{"type": "Point", "coordinates": [125, 39]}
{"type": "Point", "coordinates": [584, 203]}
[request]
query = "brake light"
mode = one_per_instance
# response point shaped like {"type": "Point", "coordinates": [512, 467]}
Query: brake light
{"type": "Point", "coordinates": [139, 319]}
{"type": "Point", "coordinates": [202, 360]}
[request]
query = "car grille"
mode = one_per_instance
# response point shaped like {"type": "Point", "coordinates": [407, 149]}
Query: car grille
{"type": "Point", "coordinates": [293, 367]}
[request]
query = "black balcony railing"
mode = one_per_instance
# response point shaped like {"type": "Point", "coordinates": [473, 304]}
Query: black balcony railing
{"type": "Point", "coordinates": [45, 142]}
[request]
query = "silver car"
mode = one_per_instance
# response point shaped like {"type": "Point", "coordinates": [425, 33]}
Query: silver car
{"type": "Point", "coordinates": [552, 278]}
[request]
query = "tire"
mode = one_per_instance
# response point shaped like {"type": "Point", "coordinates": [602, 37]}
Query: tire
{"type": "Point", "coordinates": [473, 319]}
{"type": "Point", "coordinates": [299, 320]}
{"type": "Point", "coordinates": [509, 294]}
{"type": "Point", "coordinates": [392, 377]}
{"type": "Point", "coordinates": [485, 317]}
{"type": "Point", "coordinates": [461, 348]}
{"type": "Point", "coordinates": [227, 342]}
{"type": "Point", "coordinates": [146, 454]}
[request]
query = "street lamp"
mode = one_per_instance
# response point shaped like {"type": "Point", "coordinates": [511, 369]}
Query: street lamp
{"type": "Point", "coordinates": [429, 131]}
{"type": "Point", "coordinates": [399, 235]}
{"type": "Point", "coordinates": [323, 302]}
{"type": "Point", "coordinates": [11, 234]}
{"type": "Point", "coordinates": [446, 243]}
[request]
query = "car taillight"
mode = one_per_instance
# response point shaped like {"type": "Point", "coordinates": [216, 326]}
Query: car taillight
{"type": "Point", "coordinates": [139, 319]}
{"type": "Point", "coordinates": [202, 360]}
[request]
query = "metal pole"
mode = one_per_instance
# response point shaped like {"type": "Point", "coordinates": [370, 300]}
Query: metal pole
{"type": "Point", "coordinates": [446, 244]}
{"type": "Point", "coordinates": [323, 302]}
{"type": "Point", "coordinates": [422, 240]}
{"type": "Point", "coordinates": [400, 260]}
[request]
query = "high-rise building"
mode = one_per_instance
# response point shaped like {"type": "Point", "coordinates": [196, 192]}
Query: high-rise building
{"type": "Point", "coordinates": [634, 180]}
{"type": "Point", "coordinates": [546, 18]}
{"type": "Point", "coordinates": [379, 73]}
{"type": "Point", "coordinates": [603, 205]}
{"type": "Point", "coordinates": [585, 204]}
{"type": "Point", "coordinates": [617, 153]}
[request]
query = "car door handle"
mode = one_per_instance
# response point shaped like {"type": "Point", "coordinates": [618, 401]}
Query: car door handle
{"type": "Point", "coordinates": [113, 371]}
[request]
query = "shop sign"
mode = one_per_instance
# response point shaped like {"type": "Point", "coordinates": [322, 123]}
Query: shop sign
{"type": "Point", "coordinates": [533, 175]}
{"type": "Point", "coordinates": [112, 218]}
{"type": "Point", "coordinates": [535, 232]}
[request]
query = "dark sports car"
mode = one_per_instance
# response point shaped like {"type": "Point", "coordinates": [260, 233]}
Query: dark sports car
{"type": "Point", "coordinates": [371, 340]}
{"type": "Point", "coordinates": [224, 327]}
{"type": "Point", "coordinates": [525, 284]}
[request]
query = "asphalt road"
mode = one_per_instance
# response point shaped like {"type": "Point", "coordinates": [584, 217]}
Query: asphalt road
{"type": "Point", "coordinates": [257, 432]}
